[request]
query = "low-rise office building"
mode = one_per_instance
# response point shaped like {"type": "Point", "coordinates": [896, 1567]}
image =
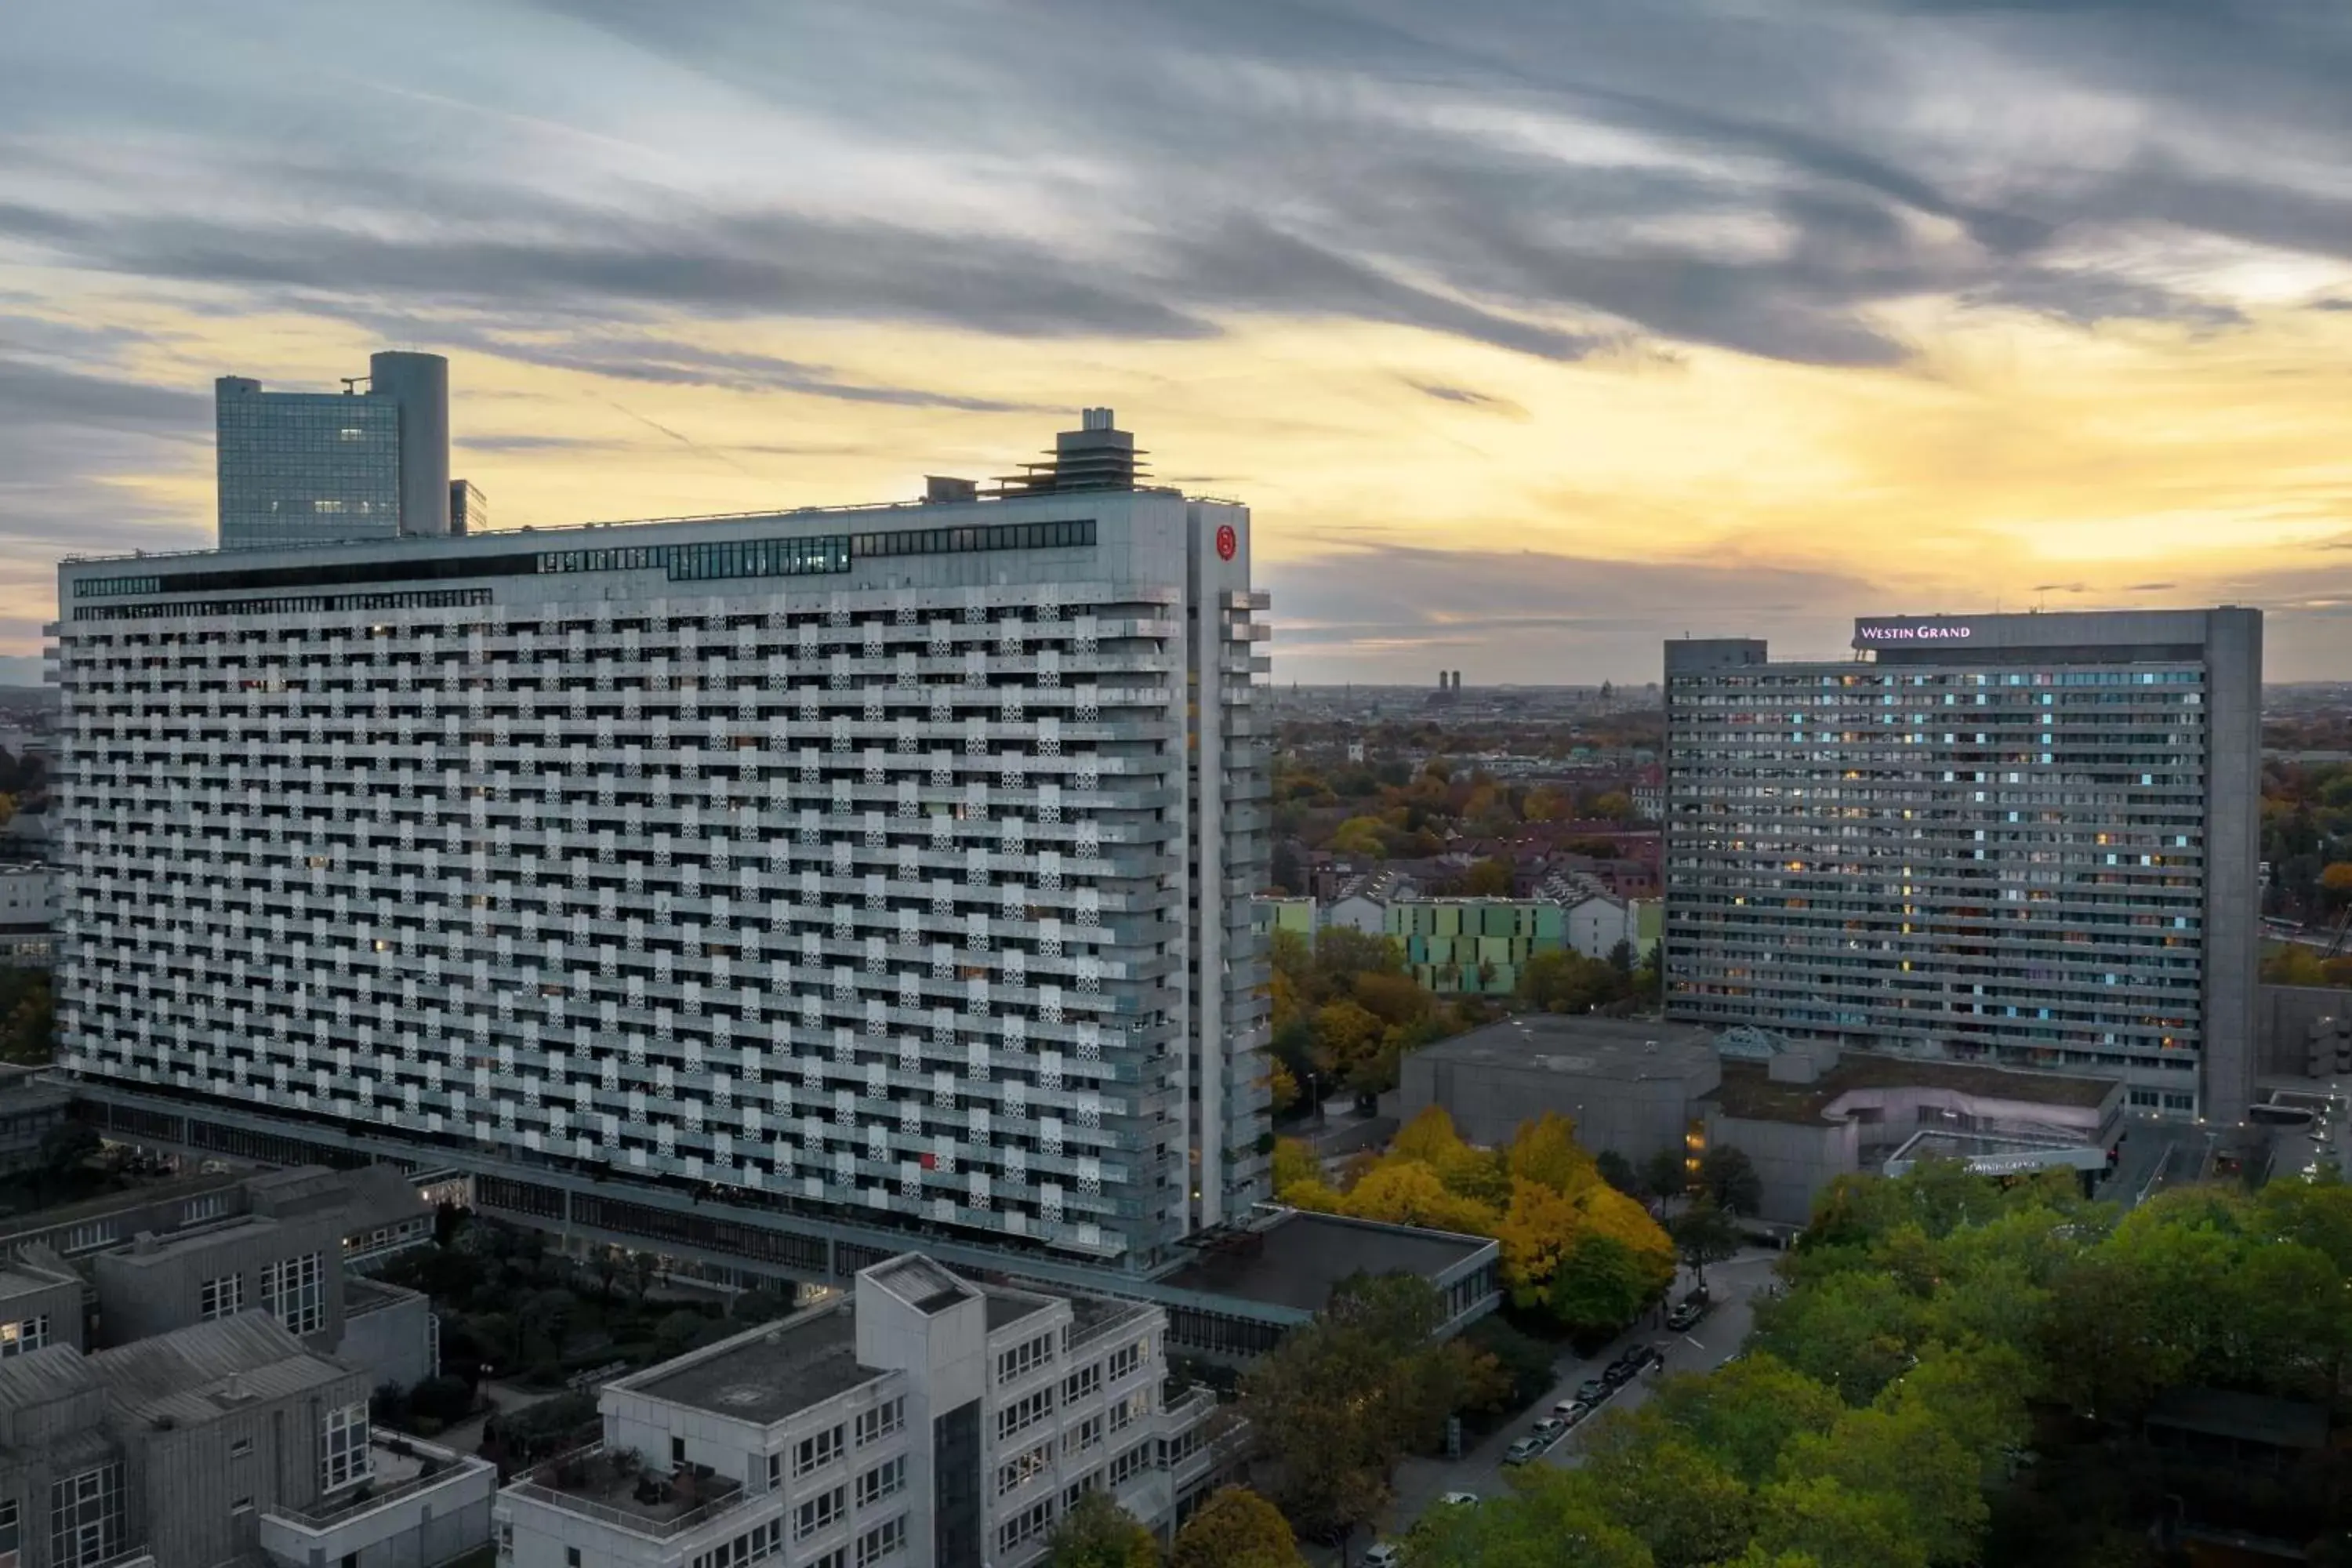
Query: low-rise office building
{"type": "Point", "coordinates": [1474, 946]}
{"type": "Point", "coordinates": [30, 1109]}
{"type": "Point", "coordinates": [927, 1420]}
{"type": "Point", "coordinates": [229, 1441]}
{"type": "Point", "coordinates": [1803, 1113]}
{"type": "Point", "coordinates": [147, 1263]}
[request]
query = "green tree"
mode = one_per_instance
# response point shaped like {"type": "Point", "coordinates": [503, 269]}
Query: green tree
{"type": "Point", "coordinates": [1552, 1520]}
{"type": "Point", "coordinates": [1096, 1532]}
{"type": "Point", "coordinates": [1906, 1454]}
{"type": "Point", "coordinates": [1728, 1178]}
{"type": "Point", "coordinates": [1489, 879]}
{"type": "Point", "coordinates": [1619, 1172]}
{"type": "Point", "coordinates": [1678, 1499]}
{"type": "Point", "coordinates": [1747, 1414]}
{"type": "Point", "coordinates": [1826, 1525]}
{"type": "Point", "coordinates": [1235, 1529]}
{"type": "Point", "coordinates": [1703, 1234]}
{"type": "Point", "coordinates": [1852, 1332]}
{"type": "Point", "coordinates": [1601, 1284]}
{"type": "Point", "coordinates": [1664, 1175]}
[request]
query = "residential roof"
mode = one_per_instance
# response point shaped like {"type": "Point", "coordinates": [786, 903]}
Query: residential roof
{"type": "Point", "coordinates": [1748, 1093]}
{"type": "Point", "coordinates": [918, 1281]}
{"type": "Point", "coordinates": [197, 1374]}
{"type": "Point", "coordinates": [37, 1377]}
{"type": "Point", "coordinates": [1301, 1258]}
{"type": "Point", "coordinates": [766, 1374]}
{"type": "Point", "coordinates": [1630, 1049]}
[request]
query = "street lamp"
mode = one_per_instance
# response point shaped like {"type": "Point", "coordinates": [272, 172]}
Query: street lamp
{"type": "Point", "coordinates": [1313, 1098]}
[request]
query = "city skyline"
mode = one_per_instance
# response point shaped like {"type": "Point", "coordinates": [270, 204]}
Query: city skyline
{"type": "Point", "coordinates": [1529, 339]}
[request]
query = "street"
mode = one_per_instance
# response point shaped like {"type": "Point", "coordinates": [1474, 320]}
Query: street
{"type": "Point", "coordinates": [1714, 1340]}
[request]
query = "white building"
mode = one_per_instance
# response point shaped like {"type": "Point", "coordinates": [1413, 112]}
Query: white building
{"type": "Point", "coordinates": [28, 913]}
{"type": "Point", "coordinates": [1597, 923]}
{"type": "Point", "coordinates": [865, 868]}
{"type": "Point", "coordinates": [1363, 903]}
{"type": "Point", "coordinates": [929, 1421]}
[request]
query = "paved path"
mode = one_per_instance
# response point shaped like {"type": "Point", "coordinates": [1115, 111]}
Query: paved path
{"type": "Point", "coordinates": [1714, 1340]}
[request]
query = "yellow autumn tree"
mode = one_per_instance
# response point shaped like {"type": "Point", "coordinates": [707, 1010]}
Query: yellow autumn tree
{"type": "Point", "coordinates": [1411, 1192]}
{"type": "Point", "coordinates": [1294, 1161]}
{"type": "Point", "coordinates": [1545, 1150]}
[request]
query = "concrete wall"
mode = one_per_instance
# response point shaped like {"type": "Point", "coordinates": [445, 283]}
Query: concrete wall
{"type": "Point", "coordinates": [2300, 1029]}
{"type": "Point", "coordinates": [1488, 1101]}
{"type": "Point", "coordinates": [1793, 1160]}
{"type": "Point", "coordinates": [60, 1302]}
{"type": "Point", "coordinates": [189, 1479]}
{"type": "Point", "coordinates": [423, 1529]}
{"type": "Point", "coordinates": [2233, 717]}
{"type": "Point", "coordinates": [392, 1340]}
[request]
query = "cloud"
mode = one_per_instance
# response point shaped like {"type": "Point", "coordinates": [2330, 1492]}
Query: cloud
{"type": "Point", "coordinates": [1539, 618]}
{"type": "Point", "coordinates": [1464, 394]}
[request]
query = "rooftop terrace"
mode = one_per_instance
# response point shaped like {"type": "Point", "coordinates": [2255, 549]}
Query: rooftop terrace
{"type": "Point", "coordinates": [1748, 1093]}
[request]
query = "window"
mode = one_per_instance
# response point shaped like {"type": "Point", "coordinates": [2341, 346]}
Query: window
{"type": "Point", "coordinates": [292, 1291]}
{"type": "Point", "coordinates": [11, 1535]}
{"type": "Point", "coordinates": [221, 1298]}
{"type": "Point", "coordinates": [836, 1557]}
{"type": "Point", "coordinates": [881, 1481]}
{"type": "Point", "coordinates": [881, 1542]}
{"type": "Point", "coordinates": [26, 1334]}
{"type": "Point", "coordinates": [1023, 1469]}
{"type": "Point", "coordinates": [1125, 1360]}
{"type": "Point", "coordinates": [761, 1542]}
{"type": "Point", "coordinates": [85, 1237]}
{"type": "Point", "coordinates": [210, 1206]}
{"type": "Point", "coordinates": [244, 1505]}
{"type": "Point", "coordinates": [240, 1449]}
{"type": "Point", "coordinates": [878, 1423]}
{"type": "Point", "coordinates": [1024, 1413]}
{"type": "Point", "coordinates": [1024, 1358]}
{"type": "Point", "coordinates": [1132, 1463]}
{"type": "Point", "coordinates": [812, 1452]}
{"type": "Point", "coordinates": [1087, 1380]}
{"type": "Point", "coordinates": [1090, 1482]}
{"type": "Point", "coordinates": [775, 1471]}
{"type": "Point", "coordinates": [345, 1459]}
{"type": "Point", "coordinates": [820, 1512]}
{"type": "Point", "coordinates": [85, 1517]}
{"type": "Point", "coordinates": [1133, 1408]}
{"type": "Point", "coordinates": [572, 1557]}
{"type": "Point", "coordinates": [1026, 1525]}
{"type": "Point", "coordinates": [1084, 1435]}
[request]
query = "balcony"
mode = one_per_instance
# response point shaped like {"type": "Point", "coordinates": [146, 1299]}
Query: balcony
{"type": "Point", "coordinates": [426, 1503]}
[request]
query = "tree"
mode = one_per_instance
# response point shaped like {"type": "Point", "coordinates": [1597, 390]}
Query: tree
{"type": "Point", "coordinates": [1747, 1413]}
{"type": "Point", "coordinates": [66, 1146]}
{"type": "Point", "coordinates": [1618, 1172]}
{"type": "Point", "coordinates": [1703, 1234]}
{"type": "Point", "coordinates": [1687, 1508]}
{"type": "Point", "coordinates": [1728, 1178]}
{"type": "Point", "coordinates": [1601, 1285]}
{"type": "Point", "coordinates": [1489, 879]}
{"type": "Point", "coordinates": [1335, 1405]}
{"type": "Point", "coordinates": [1294, 1161]}
{"type": "Point", "coordinates": [1096, 1532]}
{"type": "Point", "coordinates": [1359, 837]}
{"type": "Point", "coordinates": [1344, 1034]}
{"type": "Point", "coordinates": [1235, 1529]}
{"type": "Point", "coordinates": [1664, 1174]}
{"type": "Point", "coordinates": [1553, 1519]}
{"type": "Point", "coordinates": [1282, 1087]}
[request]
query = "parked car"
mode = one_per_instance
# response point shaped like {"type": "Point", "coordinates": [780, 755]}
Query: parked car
{"type": "Point", "coordinates": [1526, 1451]}
{"type": "Point", "coordinates": [1593, 1390]}
{"type": "Point", "coordinates": [1617, 1377]}
{"type": "Point", "coordinates": [1458, 1499]}
{"type": "Point", "coordinates": [1684, 1316]}
{"type": "Point", "coordinates": [1571, 1411]}
{"type": "Point", "coordinates": [1383, 1554]}
{"type": "Point", "coordinates": [1551, 1429]}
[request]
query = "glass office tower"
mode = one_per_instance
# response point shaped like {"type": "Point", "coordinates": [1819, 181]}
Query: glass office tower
{"type": "Point", "coordinates": [305, 467]}
{"type": "Point", "coordinates": [2029, 840]}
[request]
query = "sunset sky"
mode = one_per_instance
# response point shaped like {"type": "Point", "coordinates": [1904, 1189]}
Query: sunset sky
{"type": "Point", "coordinates": [1532, 330]}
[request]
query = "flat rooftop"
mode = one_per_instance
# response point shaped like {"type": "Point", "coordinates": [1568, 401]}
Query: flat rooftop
{"type": "Point", "coordinates": [766, 1374]}
{"type": "Point", "coordinates": [1747, 1092]}
{"type": "Point", "coordinates": [1629, 1049]}
{"type": "Point", "coordinates": [1301, 1258]}
{"type": "Point", "coordinates": [1006, 1308]}
{"type": "Point", "coordinates": [1094, 1316]}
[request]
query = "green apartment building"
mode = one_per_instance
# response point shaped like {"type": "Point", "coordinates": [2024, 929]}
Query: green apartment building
{"type": "Point", "coordinates": [1474, 946]}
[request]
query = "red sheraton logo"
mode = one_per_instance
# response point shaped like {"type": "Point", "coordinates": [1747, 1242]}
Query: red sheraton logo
{"type": "Point", "coordinates": [1227, 542]}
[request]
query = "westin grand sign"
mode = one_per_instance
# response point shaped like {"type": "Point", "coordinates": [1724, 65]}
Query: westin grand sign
{"type": "Point", "coordinates": [1880, 632]}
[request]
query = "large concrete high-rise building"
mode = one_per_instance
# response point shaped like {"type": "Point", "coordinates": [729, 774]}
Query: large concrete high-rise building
{"type": "Point", "coordinates": [876, 871]}
{"type": "Point", "coordinates": [2025, 840]}
{"type": "Point", "coordinates": [320, 467]}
